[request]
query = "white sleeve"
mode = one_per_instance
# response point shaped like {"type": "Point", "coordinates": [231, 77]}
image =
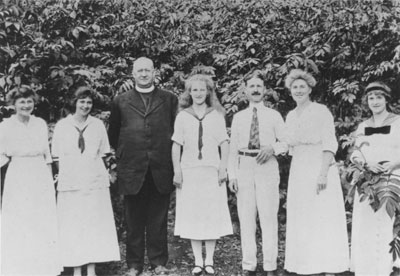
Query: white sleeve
{"type": "Point", "coordinates": [328, 137]}
{"type": "Point", "coordinates": [233, 149]}
{"type": "Point", "coordinates": [178, 136]}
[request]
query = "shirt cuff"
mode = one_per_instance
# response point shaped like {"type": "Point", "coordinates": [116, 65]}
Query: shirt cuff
{"type": "Point", "coordinates": [279, 148]}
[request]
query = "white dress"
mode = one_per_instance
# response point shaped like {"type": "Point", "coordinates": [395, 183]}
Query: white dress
{"type": "Point", "coordinates": [201, 204]}
{"type": "Point", "coordinates": [373, 231]}
{"type": "Point", "coordinates": [29, 240]}
{"type": "Point", "coordinates": [316, 234]}
{"type": "Point", "coordinates": [86, 220]}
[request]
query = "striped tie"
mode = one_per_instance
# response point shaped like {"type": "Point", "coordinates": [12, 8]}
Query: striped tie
{"type": "Point", "coordinates": [254, 141]}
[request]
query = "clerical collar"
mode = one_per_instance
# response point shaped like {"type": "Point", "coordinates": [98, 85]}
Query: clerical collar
{"type": "Point", "coordinates": [144, 90]}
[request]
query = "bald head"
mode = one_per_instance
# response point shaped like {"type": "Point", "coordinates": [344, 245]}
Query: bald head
{"type": "Point", "coordinates": [143, 61]}
{"type": "Point", "coordinates": [143, 72]}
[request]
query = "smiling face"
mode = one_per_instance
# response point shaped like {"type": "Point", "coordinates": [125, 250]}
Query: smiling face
{"type": "Point", "coordinates": [24, 106]}
{"type": "Point", "coordinates": [376, 102]}
{"type": "Point", "coordinates": [198, 92]}
{"type": "Point", "coordinates": [84, 106]}
{"type": "Point", "coordinates": [143, 72]}
{"type": "Point", "coordinates": [255, 90]}
{"type": "Point", "coordinates": [300, 91]}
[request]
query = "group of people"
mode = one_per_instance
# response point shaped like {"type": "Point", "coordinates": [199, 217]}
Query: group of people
{"type": "Point", "coordinates": [162, 144]}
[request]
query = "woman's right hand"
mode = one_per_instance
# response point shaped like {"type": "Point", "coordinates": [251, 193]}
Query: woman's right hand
{"type": "Point", "coordinates": [178, 179]}
{"type": "Point", "coordinates": [374, 167]}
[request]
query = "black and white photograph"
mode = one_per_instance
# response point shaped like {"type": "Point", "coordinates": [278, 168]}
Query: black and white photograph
{"type": "Point", "coordinates": [176, 137]}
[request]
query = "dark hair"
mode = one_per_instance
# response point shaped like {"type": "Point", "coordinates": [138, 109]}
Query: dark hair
{"type": "Point", "coordinates": [81, 93]}
{"type": "Point", "coordinates": [377, 88]}
{"type": "Point", "coordinates": [21, 92]}
{"type": "Point", "coordinates": [254, 74]}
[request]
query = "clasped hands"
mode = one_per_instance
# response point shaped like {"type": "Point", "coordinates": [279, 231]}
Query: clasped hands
{"type": "Point", "coordinates": [265, 153]}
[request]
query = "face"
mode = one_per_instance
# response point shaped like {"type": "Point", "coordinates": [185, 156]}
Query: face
{"type": "Point", "coordinates": [255, 90]}
{"type": "Point", "coordinates": [198, 92]}
{"type": "Point", "coordinates": [143, 73]}
{"type": "Point", "coordinates": [376, 103]}
{"type": "Point", "coordinates": [24, 106]}
{"type": "Point", "coordinates": [84, 106]}
{"type": "Point", "coordinates": [300, 91]}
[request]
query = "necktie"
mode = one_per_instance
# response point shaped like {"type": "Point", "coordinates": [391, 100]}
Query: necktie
{"type": "Point", "coordinates": [254, 141]}
{"type": "Point", "coordinates": [81, 140]}
{"type": "Point", "coordinates": [200, 143]}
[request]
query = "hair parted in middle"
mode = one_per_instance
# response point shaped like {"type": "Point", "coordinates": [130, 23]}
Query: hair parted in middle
{"type": "Point", "coordinates": [296, 74]}
{"type": "Point", "coordinates": [82, 92]}
{"type": "Point", "coordinates": [211, 99]}
{"type": "Point", "coordinates": [21, 92]}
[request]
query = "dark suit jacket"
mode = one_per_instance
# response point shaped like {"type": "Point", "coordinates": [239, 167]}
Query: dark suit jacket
{"type": "Point", "coordinates": [142, 139]}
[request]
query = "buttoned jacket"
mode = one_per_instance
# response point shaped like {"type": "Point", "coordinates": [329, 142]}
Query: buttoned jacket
{"type": "Point", "coordinates": [142, 139]}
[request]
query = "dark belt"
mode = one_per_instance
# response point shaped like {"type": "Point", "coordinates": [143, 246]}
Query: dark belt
{"type": "Point", "coordinates": [248, 153]}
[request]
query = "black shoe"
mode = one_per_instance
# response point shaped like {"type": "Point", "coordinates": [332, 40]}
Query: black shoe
{"type": "Point", "coordinates": [248, 273]}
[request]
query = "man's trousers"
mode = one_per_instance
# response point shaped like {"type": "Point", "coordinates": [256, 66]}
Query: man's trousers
{"type": "Point", "coordinates": [146, 219]}
{"type": "Point", "coordinates": [258, 190]}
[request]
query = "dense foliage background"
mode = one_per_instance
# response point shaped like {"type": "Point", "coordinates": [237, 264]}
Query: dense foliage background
{"type": "Point", "coordinates": [55, 46]}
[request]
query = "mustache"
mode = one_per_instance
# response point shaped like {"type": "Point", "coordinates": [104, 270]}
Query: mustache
{"type": "Point", "coordinates": [256, 93]}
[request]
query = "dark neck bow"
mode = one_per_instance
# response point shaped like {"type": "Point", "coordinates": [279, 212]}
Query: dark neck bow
{"type": "Point", "coordinates": [370, 129]}
{"type": "Point", "coordinates": [376, 130]}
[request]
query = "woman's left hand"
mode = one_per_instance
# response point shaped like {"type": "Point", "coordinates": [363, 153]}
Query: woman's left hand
{"type": "Point", "coordinates": [222, 176]}
{"type": "Point", "coordinates": [322, 183]}
{"type": "Point", "coordinates": [390, 166]}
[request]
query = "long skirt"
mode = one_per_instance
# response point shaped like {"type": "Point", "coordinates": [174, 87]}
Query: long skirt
{"type": "Point", "coordinates": [316, 233]}
{"type": "Point", "coordinates": [29, 239]}
{"type": "Point", "coordinates": [201, 206]}
{"type": "Point", "coordinates": [372, 233]}
{"type": "Point", "coordinates": [87, 228]}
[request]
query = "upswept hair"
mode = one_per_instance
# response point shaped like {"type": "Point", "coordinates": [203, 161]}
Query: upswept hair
{"type": "Point", "coordinates": [186, 101]}
{"type": "Point", "coordinates": [82, 92]}
{"type": "Point", "coordinates": [296, 74]}
{"type": "Point", "coordinates": [21, 92]}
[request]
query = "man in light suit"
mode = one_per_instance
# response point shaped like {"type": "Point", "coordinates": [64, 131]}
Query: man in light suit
{"type": "Point", "coordinates": [141, 126]}
{"type": "Point", "coordinates": [254, 174]}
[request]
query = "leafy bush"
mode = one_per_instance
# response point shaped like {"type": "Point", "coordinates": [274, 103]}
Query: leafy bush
{"type": "Point", "coordinates": [55, 46]}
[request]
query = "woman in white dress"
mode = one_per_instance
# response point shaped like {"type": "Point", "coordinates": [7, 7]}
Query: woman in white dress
{"type": "Point", "coordinates": [29, 243]}
{"type": "Point", "coordinates": [202, 212]}
{"type": "Point", "coordinates": [373, 231]}
{"type": "Point", "coordinates": [86, 221]}
{"type": "Point", "coordinates": [316, 234]}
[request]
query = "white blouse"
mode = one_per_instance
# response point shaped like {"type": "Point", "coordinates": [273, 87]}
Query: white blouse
{"type": "Point", "coordinates": [86, 170]}
{"type": "Point", "coordinates": [378, 147]}
{"type": "Point", "coordinates": [186, 134]}
{"type": "Point", "coordinates": [312, 127]}
{"type": "Point", "coordinates": [24, 140]}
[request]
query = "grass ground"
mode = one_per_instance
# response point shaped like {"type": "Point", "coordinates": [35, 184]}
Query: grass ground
{"type": "Point", "coordinates": [227, 255]}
